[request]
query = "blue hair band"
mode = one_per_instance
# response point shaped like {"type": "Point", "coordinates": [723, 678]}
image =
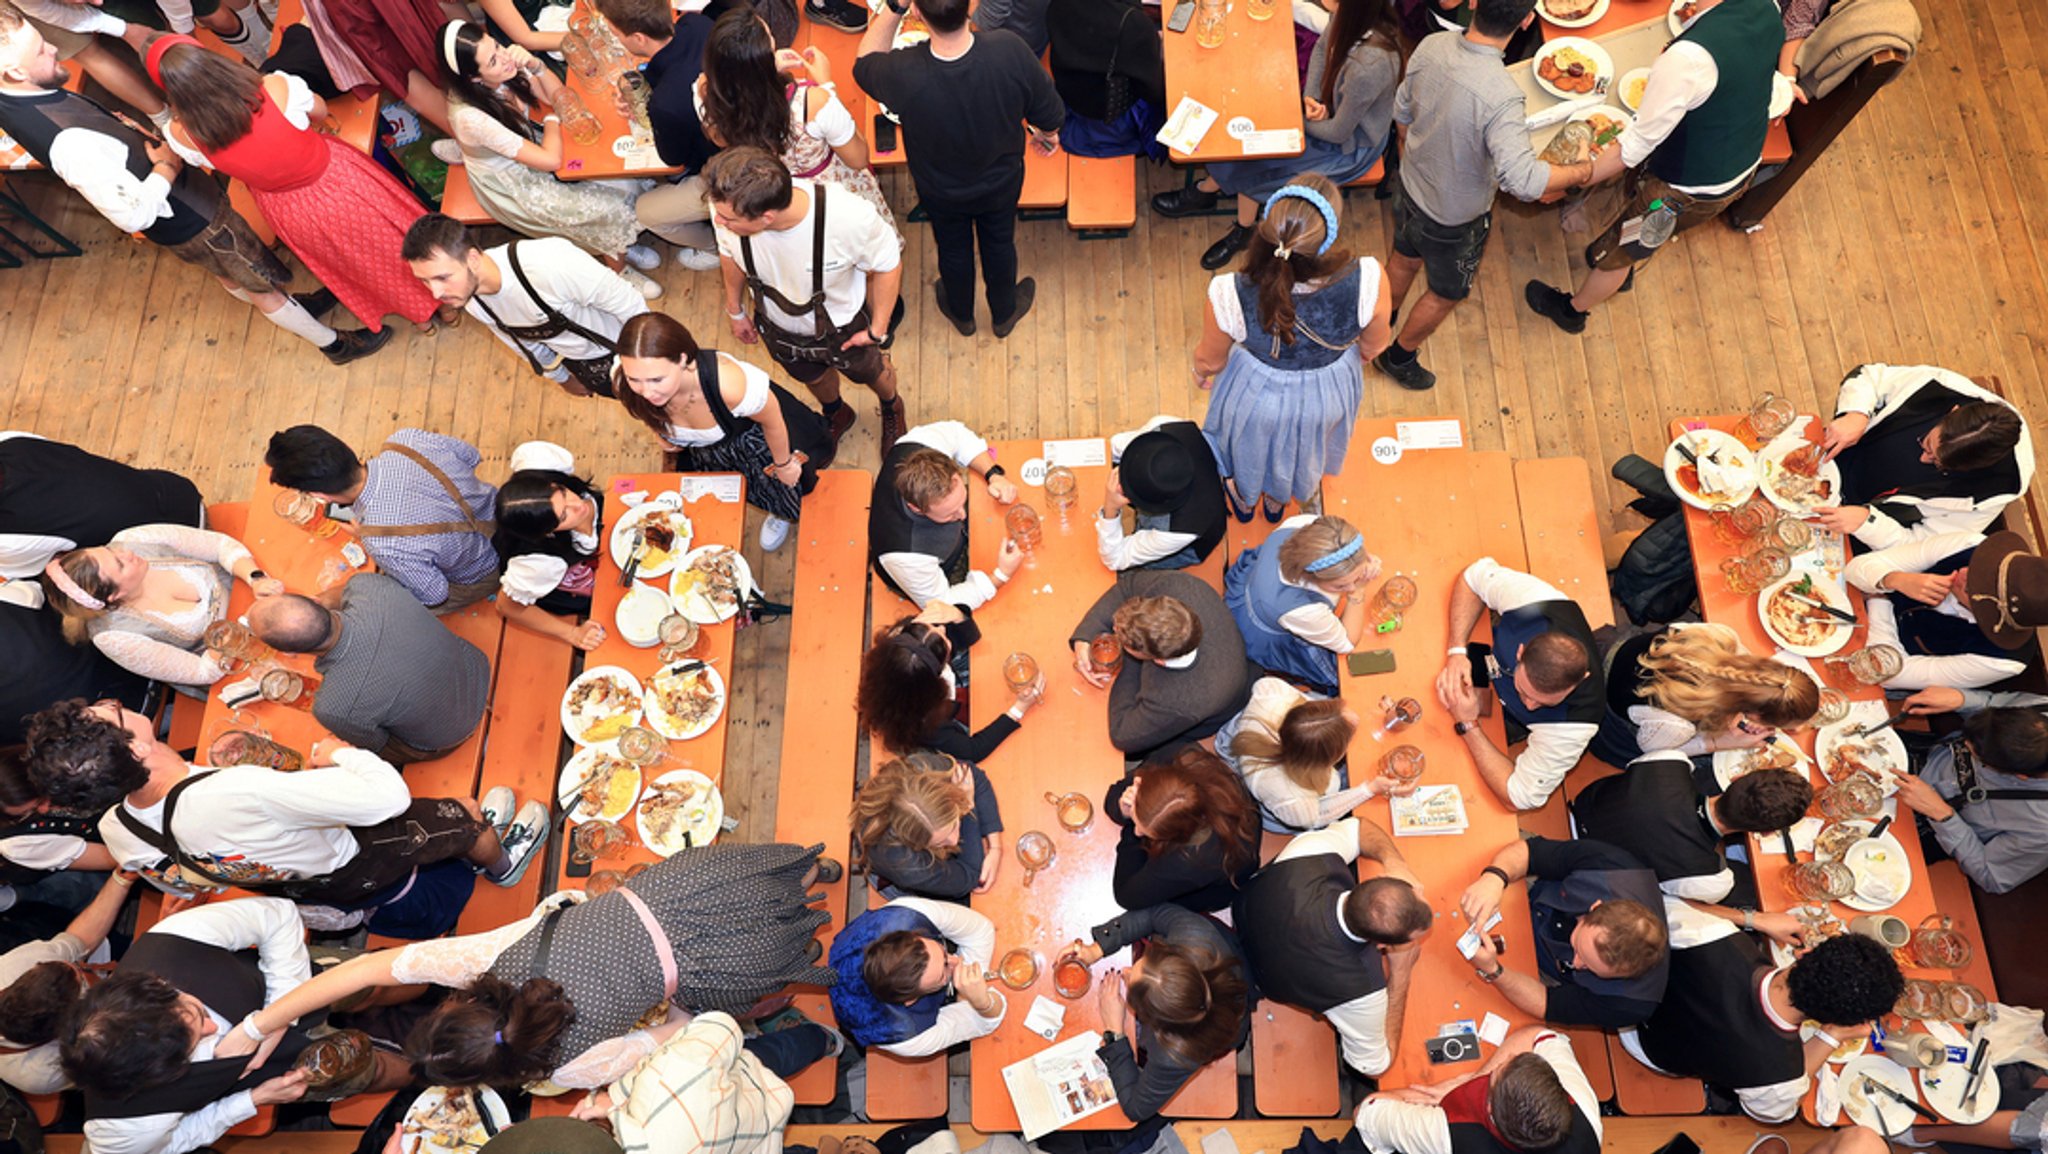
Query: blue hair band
{"type": "Point", "coordinates": [1337, 556]}
{"type": "Point", "coordinates": [1322, 205]}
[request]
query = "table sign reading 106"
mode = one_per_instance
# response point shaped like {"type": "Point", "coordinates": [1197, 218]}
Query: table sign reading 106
{"type": "Point", "coordinates": [1386, 450]}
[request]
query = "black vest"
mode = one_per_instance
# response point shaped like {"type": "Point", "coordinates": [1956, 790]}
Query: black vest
{"type": "Point", "coordinates": [42, 668]}
{"type": "Point", "coordinates": [1924, 630]}
{"type": "Point", "coordinates": [894, 528]}
{"type": "Point", "coordinates": [1653, 812]}
{"type": "Point", "coordinates": [1721, 138]}
{"type": "Point", "coordinates": [1203, 515]}
{"type": "Point", "coordinates": [55, 823]}
{"type": "Point", "coordinates": [56, 490]}
{"type": "Point", "coordinates": [36, 121]}
{"type": "Point", "coordinates": [1512, 630]}
{"type": "Point", "coordinates": [1886, 462]}
{"type": "Point", "coordinates": [231, 985]}
{"type": "Point", "coordinates": [1555, 906]}
{"type": "Point", "coordinates": [1286, 919]}
{"type": "Point", "coordinates": [1712, 1025]}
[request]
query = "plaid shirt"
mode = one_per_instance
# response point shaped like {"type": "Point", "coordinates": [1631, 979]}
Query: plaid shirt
{"type": "Point", "coordinates": [701, 1092]}
{"type": "Point", "coordinates": [397, 492]}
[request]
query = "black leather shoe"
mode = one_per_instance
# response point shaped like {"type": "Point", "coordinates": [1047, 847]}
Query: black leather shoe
{"type": "Point", "coordinates": [1027, 291]}
{"type": "Point", "coordinates": [355, 344]}
{"type": "Point", "coordinates": [1235, 241]}
{"type": "Point", "coordinates": [319, 302]}
{"type": "Point", "coordinates": [1556, 304]}
{"type": "Point", "coordinates": [965, 327]}
{"type": "Point", "coordinates": [1186, 200]}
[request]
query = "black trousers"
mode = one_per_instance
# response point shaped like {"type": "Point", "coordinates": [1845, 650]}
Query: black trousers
{"type": "Point", "coordinates": [956, 227]}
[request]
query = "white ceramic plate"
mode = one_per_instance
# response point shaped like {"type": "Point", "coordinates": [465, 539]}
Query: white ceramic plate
{"type": "Point", "coordinates": [577, 723]}
{"type": "Point", "coordinates": [1942, 1088]}
{"type": "Point", "coordinates": [1592, 15]}
{"type": "Point", "coordinates": [666, 724]}
{"type": "Point", "coordinates": [652, 605]}
{"type": "Point", "coordinates": [1768, 466]}
{"type": "Point", "coordinates": [704, 813]}
{"type": "Point", "coordinates": [1677, 25]}
{"type": "Point", "coordinates": [1608, 110]}
{"type": "Point", "coordinates": [1887, 742]}
{"type": "Point", "coordinates": [1603, 64]}
{"type": "Point", "coordinates": [693, 604]}
{"type": "Point", "coordinates": [1878, 862]}
{"type": "Point", "coordinates": [1735, 459]}
{"type": "Point", "coordinates": [1628, 84]}
{"type": "Point", "coordinates": [414, 1140]}
{"type": "Point", "coordinates": [1876, 1111]}
{"type": "Point", "coordinates": [622, 535]}
{"type": "Point", "coordinates": [578, 769]}
{"type": "Point", "coordinates": [1848, 1051]}
{"type": "Point", "coordinates": [1730, 764]}
{"type": "Point", "coordinates": [1824, 589]}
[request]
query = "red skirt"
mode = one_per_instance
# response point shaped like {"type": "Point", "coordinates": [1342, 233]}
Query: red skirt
{"type": "Point", "coordinates": [347, 226]}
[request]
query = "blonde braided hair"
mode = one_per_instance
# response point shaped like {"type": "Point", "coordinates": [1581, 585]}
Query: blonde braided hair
{"type": "Point", "coordinates": [1703, 676]}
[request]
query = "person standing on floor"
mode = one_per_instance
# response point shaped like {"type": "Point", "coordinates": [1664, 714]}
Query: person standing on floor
{"type": "Point", "coordinates": [1463, 137]}
{"type": "Point", "coordinates": [553, 303]}
{"type": "Point", "coordinates": [140, 185]}
{"type": "Point", "coordinates": [825, 272]}
{"type": "Point", "coordinates": [1696, 142]}
{"type": "Point", "coordinates": [960, 96]}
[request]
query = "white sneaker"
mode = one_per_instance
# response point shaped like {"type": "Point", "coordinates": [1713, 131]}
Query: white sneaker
{"type": "Point", "coordinates": [643, 257]}
{"type": "Point", "coordinates": [774, 531]}
{"type": "Point", "coordinates": [446, 151]}
{"type": "Point", "coordinates": [522, 841]}
{"type": "Point", "coordinates": [696, 259]}
{"type": "Point", "coordinates": [648, 288]}
{"type": "Point", "coordinates": [498, 805]}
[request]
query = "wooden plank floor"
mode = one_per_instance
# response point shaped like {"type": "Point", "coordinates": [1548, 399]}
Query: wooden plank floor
{"type": "Point", "coordinates": [1912, 241]}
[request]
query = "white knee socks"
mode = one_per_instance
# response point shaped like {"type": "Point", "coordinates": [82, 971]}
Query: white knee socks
{"type": "Point", "coordinates": [293, 318]}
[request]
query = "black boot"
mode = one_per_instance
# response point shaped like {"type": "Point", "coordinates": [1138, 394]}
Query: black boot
{"type": "Point", "coordinates": [355, 344]}
{"type": "Point", "coordinates": [1235, 241]}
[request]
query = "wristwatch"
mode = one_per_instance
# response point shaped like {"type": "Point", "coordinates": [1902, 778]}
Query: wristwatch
{"type": "Point", "coordinates": [256, 575]}
{"type": "Point", "coordinates": [1464, 727]}
{"type": "Point", "coordinates": [883, 341]}
{"type": "Point", "coordinates": [994, 471]}
{"type": "Point", "coordinates": [898, 9]}
{"type": "Point", "coordinates": [1499, 968]}
{"type": "Point", "coordinates": [1111, 1037]}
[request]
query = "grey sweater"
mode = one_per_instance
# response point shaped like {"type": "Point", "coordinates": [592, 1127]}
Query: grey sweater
{"type": "Point", "coordinates": [1362, 106]}
{"type": "Point", "coordinates": [1151, 705]}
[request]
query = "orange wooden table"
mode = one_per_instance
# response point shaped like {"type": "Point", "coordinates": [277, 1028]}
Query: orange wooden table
{"type": "Point", "coordinates": [1428, 516]}
{"type": "Point", "coordinates": [712, 521]}
{"type": "Point", "coordinates": [1251, 75]}
{"type": "Point", "coordinates": [598, 160]}
{"type": "Point", "coordinates": [1063, 745]}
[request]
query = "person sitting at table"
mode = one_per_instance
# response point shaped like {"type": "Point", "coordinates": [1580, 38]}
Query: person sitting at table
{"type": "Point", "coordinates": [1184, 671]}
{"type": "Point", "coordinates": [1598, 921]}
{"type": "Point", "coordinates": [928, 825]}
{"type": "Point", "coordinates": [1282, 345]}
{"type": "Point", "coordinates": [672, 46]}
{"type": "Point", "coordinates": [393, 680]}
{"type": "Point", "coordinates": [560, 308]}
{"type": "Point", "coordinates": [493, 92]}
{"type": "Point", "coordinates": [1188, 833]}
{"type": "Point", "coordinates": [902, 988]}
{"type": "Point", "coordinates": [1695, 145]}
{"type": "Point", "coordinates": [42, 667]}
{"type": "Point", "coordinates": [1183, 1003]}
{"type": "Point", "coordinates": [550, 526]}
{"type": "Point", "coordinates": [49, 855]}
{"type": "Point", "coordinates": [1691, 688]}
{"type": "Point", "coordinates": [1657, 814]}
{"type": "Point", "coordinates": [1348, 105]}
{"type": "Point", "coordinates": [917, 522]}
{"type": "Point", "coordinates": [1731, 1018]}
{"type": "Point", "coordinates": [1284, 596]}
{"type": "Point", "coordinates": [147, 597]}
{"type": "Point", "coordinates": [1318, 938]}
{"type": "Point", "coordinates": [1530, 1094]}
{"type": "Point", "coordinates": [1925, 595]}
{"type": "Point", "coordinates": [346, 833]}
{"type": "Point", "coordinates": [1290, 745]}
{"type": "Point", "coordinates": [35, 978]}
{"type": "Point", "coordinates": [909, 687]}
{"type": "Point", "coordinates": [1541, 666]}
{"type": "Point", "coordinates": [1108, 64]}
{"type": "Point", "coordinates": [418, 505]}
{"type": "Point", "coordinates": [1165, 472]}
{"type": "Point", "coordinates": [557, 994]}
{"type": "Point", "coordinates": [718, 414]}
{"type": "Point", "coordinates": [1923, 450]}
{"type": "Point", "coordinates": [56, 497]}
{"type": "Point", "coordinates": [1999, 836]}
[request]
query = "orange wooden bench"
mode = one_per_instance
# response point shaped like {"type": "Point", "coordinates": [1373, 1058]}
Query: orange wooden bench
{"type": "Point", "coordinates": [1371, 178]}
{"type": "Point", "coordinates": [1045, 184]}
{"type": "Point", "coordinates": [826, 631]}
{"type": "Point", "coordinates": [459, 201]}
{"type": "Point", "coordinates": [1102, 196]}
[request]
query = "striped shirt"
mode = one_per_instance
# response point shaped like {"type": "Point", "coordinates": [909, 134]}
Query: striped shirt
{"type": "Point", "coordinates": [397, 492]}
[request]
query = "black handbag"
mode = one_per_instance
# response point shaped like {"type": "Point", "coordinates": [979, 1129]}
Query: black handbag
{"type": "Point", "coordinates": [1117, 92]}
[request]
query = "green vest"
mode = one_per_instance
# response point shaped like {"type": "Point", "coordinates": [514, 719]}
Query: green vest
{"type": "Point", "coordinates": [1723, 137]}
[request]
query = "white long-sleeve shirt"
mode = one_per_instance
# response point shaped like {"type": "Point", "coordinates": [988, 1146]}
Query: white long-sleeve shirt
{"type": "Point", "coordinates": [1388, 1125]}
{"type": "Point", "coordinates": [277, 825]}
{"type": "Point", "coordinates": [958, 1022]}
{"type": "Point", "coordinates": [1877, 391]}
{"type": "Point", "coordinates": [1922, 670]}
{"type": "Point", "coordinates": [921, 576]}
{"type": "Point", "coordinates": [95, 165]}
{"type": "Point", "coordinates": [1281, 798]}
{"type": "Point", "coordinates": [577, 284]}
{"type": "Point", "coordinates": [1681, 79]}
{"type": "Point", "coordinates": [272, 928]}
{"type": "Point", "coordinates": [1361, 1023]}
{"type": "Point", "coordinates": [1554, 747]}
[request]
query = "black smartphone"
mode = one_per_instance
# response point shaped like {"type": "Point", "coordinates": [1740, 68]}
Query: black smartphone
{"type": "Point", "coordinates": [1366, 662]}
{"type": "Point", "coordinates": [1182, 13]}
{"type": "Point", "coordinates": [1452, 1048]}
{"type": "Point", "coordinates": [885, 134]}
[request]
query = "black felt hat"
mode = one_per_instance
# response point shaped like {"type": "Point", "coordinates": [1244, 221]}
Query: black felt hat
{"type": "Point", "coordinates": [1157, 473]}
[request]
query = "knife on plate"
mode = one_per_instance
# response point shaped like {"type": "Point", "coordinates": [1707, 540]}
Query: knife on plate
{"type": "Point", "coordinates": [1685, 450]}
{"type": "Point", "coordinates": [1815, 602]}
{"type": "Point", "coordinates": [1870, 1083]}
{"type": "Point", "coordinates": [1887, 723]}
{"type": "Point", "coordinates": [1884, 823]}
{"type": "Point", "coordinates": [1975, 1082]}
{"type": "Point", "coordinates": [633, 557]}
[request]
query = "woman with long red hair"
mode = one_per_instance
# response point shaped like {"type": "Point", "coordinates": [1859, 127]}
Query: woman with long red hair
{"type": "Point", "coordinates": [1190, 832]}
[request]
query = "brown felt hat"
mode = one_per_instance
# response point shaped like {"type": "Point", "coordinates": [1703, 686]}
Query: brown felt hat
{"type": "Point", "coordinates": [552, 1136]}
{"type": "Point", "coordinates": [2008, 589]}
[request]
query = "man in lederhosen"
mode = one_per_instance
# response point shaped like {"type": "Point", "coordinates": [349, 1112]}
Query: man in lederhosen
{"type": "Point", "coordinates": [420, 509]}
{"type": "Point", "coordinates": [556, 305]}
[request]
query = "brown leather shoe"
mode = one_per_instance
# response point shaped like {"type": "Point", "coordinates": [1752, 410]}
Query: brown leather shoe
{"type": "Point", "coordinates": [842, 421]}
{"type": "Point", "coordinates": [894, 423]}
